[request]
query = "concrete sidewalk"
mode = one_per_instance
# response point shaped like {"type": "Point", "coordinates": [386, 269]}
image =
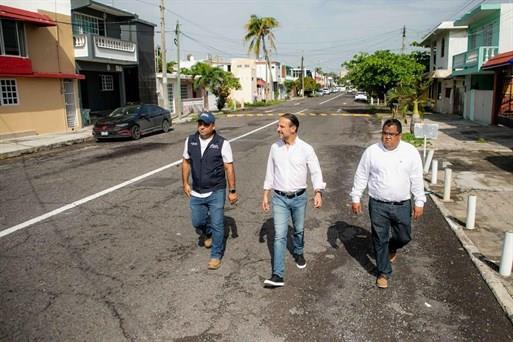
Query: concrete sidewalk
{"type": "Point", "coordinates": [481, 159]}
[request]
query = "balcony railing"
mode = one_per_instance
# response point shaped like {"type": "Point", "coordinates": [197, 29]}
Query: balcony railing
{"type": "Point", "coordinates": [471, 61]}
{"type": "Point", "coordinates": [104, 48]}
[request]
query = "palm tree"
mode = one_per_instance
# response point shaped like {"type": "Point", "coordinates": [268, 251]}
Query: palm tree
{"type": "Point", "coordinates": [258, 32]}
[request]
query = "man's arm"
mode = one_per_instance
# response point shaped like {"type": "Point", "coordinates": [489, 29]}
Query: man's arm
{"type": "Point", "coordinates": [268, 182]}
{"type": "Point", "coordinates": [417, 186]}
{"type": "Point", "coordinates": [186, 171]}
{"type": "Point", "coordinates": [361, 177]}
{"type": "Point", "coordinates": [230, 178]}
{"type": "Point", "coordinates": [316, 175]}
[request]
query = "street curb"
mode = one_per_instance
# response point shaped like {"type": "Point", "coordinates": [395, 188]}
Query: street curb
{"type": "Point", "coordinates": [34, 149]}
{"type": "Point", "coordinates": [491, 278]}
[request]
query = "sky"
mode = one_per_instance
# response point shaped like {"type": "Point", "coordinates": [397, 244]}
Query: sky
{"type": "Point", "coordinates": [326, 32]}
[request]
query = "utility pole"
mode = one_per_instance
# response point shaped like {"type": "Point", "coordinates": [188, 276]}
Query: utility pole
{"type": "Point", "coordinates": [302, 78]}
{"type": "Point", "coordinates": [163, 60]}
{"type": "Point", "coordinates": [178, 86]}
{"type": "Point", "coordinates": [403, 44]}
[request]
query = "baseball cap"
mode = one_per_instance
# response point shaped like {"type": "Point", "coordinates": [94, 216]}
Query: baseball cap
{"type": "Point", "coordinates": [207, 117]}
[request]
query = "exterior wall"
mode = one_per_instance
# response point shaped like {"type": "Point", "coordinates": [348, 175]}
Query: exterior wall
{"type": "Point", "coordinates": [476, 29]}
{"type": "Point", "coordinates": [483, 106]}
{"type": "Point", "coordinates": [442, 62]}
{"type": "Point", "coordinates": [245, 70]}
{"type": "Point", "coordinates": [41, 113]}
{"type": "Point", "coordinates": [457, 44]}
{"type": "Point", "coordinates": [41, 107]}
{"type": "Point", "coordinates": [506, 28]}
{"type": "Point", "coordinates": [146, 66]}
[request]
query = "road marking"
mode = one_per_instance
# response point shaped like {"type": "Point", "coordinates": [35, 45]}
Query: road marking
{"type": "Point", "coordinates": [323, 114]}
{"type": "Point", "coordinates": [338, 110]}
{"type": "Point", "coordinates": [297, 104]}
{"type": "Point", "coordinates": [301, 111]}
{"type": "Point", "coordinates": [333, 98]}
{"type": "Point", "coordinates": [109, 190]}
{"type": "Point", "coordinates": [269, 111]}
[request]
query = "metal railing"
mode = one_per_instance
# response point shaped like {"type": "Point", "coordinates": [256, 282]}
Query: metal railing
{"type": "Point", "coordinates": [114, 44]}
{"type": "Point", "coordinates": [473, 58]}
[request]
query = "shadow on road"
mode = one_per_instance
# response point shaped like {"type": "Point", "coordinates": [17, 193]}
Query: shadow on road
{"type": "Point", "coordinates": [230, 227]}
{"type": "Point", "coordinates": [357, 242]}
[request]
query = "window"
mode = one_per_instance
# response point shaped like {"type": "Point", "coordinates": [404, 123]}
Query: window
{"type": "Point", "coordinates": [472, 40]}
{"type": "Point", "coordinates": [442, 48]}
{"type": "Point", "coordinates": [12, 38]}
{"type": "Point", "coordinates": [487, 35]}
{"type": "Point", "coordinates": [447, 92]}
{"type": "Point", "coordinates": [106, 83]}
{"type": "Point", "coordinates": [183, 92]}
{"type": "Point", "coordinates": [69, 102]}
{"type": "Point", "coordinates": [8, 92]}
{"type": "Point", "coordinates": [88, 24]}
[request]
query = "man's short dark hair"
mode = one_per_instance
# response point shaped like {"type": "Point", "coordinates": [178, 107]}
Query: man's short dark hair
{"type": "Point", "coordinates": [293, 120]}
{"type": "Point", "coordinates": [394, 122]}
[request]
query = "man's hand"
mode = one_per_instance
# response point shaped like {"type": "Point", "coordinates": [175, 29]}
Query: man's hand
{"type": "Point", "coordinates": [356, 207]}
{"type": "Point", "coordinates": [187, 190]}
{"type": "Point", "coordinates": [417, 212]}
{"type": "Point", "coordinates": [232, 198]}
{"type": "Point", "coordinates": [265, 202]}
{"type": "Point", "coordinates": [317, 199]}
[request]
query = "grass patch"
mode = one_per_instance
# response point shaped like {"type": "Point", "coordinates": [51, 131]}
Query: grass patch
{"type": "Point", "coordinates": [263, 103]}
{"type": "Point", "coordinates": [410, 138]}
{"type": "Point", "coordinates": [481, 140]}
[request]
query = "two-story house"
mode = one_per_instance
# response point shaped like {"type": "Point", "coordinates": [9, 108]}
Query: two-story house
{"type": "Point", "coordinates": [114, 50]}
{"type": "Point", "coordinates": [38, 84]}
{"type": "Point", "coordinates": [264, 76]}
{"type": "Point", "coordinates": [490, 32]}
{"type": "Point", "coordinates": [245, 70]}
{"type": "Point", "coordinates": [445, 41]}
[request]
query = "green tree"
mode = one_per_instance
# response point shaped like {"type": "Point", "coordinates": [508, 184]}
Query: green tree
{"type": "Point", "coordinates": [215, 80]}
{"type": "Point", "coordinates": [382, 71]}
{"type": "Point", "coordinates": [258, 33]}
{"type": "Point", "coordinates": [310, 85]}
{"type": "Point", "coordinates": [170, 65]}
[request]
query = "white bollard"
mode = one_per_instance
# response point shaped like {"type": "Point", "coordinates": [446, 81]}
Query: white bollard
{"type": "Point", "coordinates": [434, 172]}
{"type": "Point", "coordinates": [507, 255]}
{"type": "Point", "coordinates": [471, 212]}
{"type": "Point", "coordinates": [428, 160]}
{"type": "Point", "coordinates": [447, 185]}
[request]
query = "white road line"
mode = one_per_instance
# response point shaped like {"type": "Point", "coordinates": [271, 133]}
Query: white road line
{"type": "Point", "coordinates": [301, 111]}
{"type": "Point", "coordinates": [333, 98]}
{"type": "Point", "coordinates": [297, 104]}
{"type": "Point", "coordinates": [107, 191]}
{"type": "Point", "coordinates": [338, 110]}
{"type": "Point", "coordinates": [269, 111]}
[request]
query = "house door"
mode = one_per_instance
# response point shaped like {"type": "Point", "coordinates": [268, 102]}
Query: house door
{"type": "Point", "coordinates": [69, 101]}
{"type": "Point", "coordinates": [458, 101]}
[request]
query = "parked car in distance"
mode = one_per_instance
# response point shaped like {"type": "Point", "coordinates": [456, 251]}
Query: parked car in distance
{"type": "Point", "coordinates": [132, 122]}
{"type": "Point", "coordinates": [360, 96]}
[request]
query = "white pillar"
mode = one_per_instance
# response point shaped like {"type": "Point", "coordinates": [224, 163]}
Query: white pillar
{"type": "Point", "coordinates": [507, 255]}
{"type": "Point", "coordinates": [434, 172]}
{"type": "Point", "coordinates": [471, 212]}
{"type": "Point", "coordinates": [447, 185]}
{"type": "Point", "coordinates": [427, 162]}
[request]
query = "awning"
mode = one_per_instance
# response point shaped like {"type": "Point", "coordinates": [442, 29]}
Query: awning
{"type": "Point", "coordinates": [260, 82]}
{"type": "Point", "coordinates": [500, 60]}
{"type": "Point", "coordinates": [27, 16]}
{"type": "Point", "coordinates": [440, 73]}
{"type": "Point", "coordinates": [46, 75]}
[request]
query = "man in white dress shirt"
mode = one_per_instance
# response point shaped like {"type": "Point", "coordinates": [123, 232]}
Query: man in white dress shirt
{"type": "Point", "coordinates": [289, 160]}
{"type": "Point", "coordinates": [392, 169]}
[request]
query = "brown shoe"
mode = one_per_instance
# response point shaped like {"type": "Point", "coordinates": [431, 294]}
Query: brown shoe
{"type": "Point", "coordinates": [382, 282]}
{"type": "Point", "coordinates": [392, 256]}
{"type": "Point", "coordinates": [208, 242]}
{"type": "Point", "coordinates": [214, 264]}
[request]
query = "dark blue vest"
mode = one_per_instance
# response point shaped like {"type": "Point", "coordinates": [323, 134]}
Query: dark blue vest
{"type": "Point", "coordinates": [207, 171]}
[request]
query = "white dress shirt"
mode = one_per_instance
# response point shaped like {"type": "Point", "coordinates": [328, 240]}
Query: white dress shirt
{"type": "Point", "coordinates": [226, 152]}
{"type": "Point", "coordinates": [391, 176]}
{"type": "Point", "coordinates": [287, 167]}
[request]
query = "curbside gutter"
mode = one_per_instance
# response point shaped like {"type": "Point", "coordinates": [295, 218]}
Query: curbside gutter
{"type": "Point", "coordinates": [491, 278]}
{"type": "Point", "coordinates": [24, 149]}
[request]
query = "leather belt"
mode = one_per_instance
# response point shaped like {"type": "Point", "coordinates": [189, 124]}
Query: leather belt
{"type": "Point", "coordinates": [391, 203]}
{"type": "Point", "coordinates": [290, 194]}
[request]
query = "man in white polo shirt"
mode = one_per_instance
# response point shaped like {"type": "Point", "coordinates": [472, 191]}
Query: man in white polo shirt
{"type": "Point", "coordinates": [289, 160]}
{"type": "Point", "coordinates": [392, 169]}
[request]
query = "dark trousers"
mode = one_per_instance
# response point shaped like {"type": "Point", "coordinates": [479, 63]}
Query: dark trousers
{"type": "Point", "coordinates": [386, 217]}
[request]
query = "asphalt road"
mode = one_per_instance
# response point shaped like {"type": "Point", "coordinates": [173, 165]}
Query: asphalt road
{"type": "Point", "coordinates": [125, 266]}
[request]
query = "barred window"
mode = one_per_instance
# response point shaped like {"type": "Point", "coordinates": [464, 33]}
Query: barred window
{"type": "Point", "coordinates": [88, 24]}
{"type": "Point", "coordinates": [8, 92]}
{"type": "Point", "coordinates": [107, 83]}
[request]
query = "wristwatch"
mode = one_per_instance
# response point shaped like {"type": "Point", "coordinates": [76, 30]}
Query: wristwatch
{"type": "Point", "coordinates": [232, 191]}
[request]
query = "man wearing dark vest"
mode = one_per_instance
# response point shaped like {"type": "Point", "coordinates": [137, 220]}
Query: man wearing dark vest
{"type": "Point", "coordinates": [207, 156]}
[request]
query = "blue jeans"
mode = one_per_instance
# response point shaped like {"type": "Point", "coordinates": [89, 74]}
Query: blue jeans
{"type": "Point", "coordinates": [283, 208]}
{"type": "Point", "coordinates": [385, 218]}
{"type": "Point", "coordinates": [208, 219]}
